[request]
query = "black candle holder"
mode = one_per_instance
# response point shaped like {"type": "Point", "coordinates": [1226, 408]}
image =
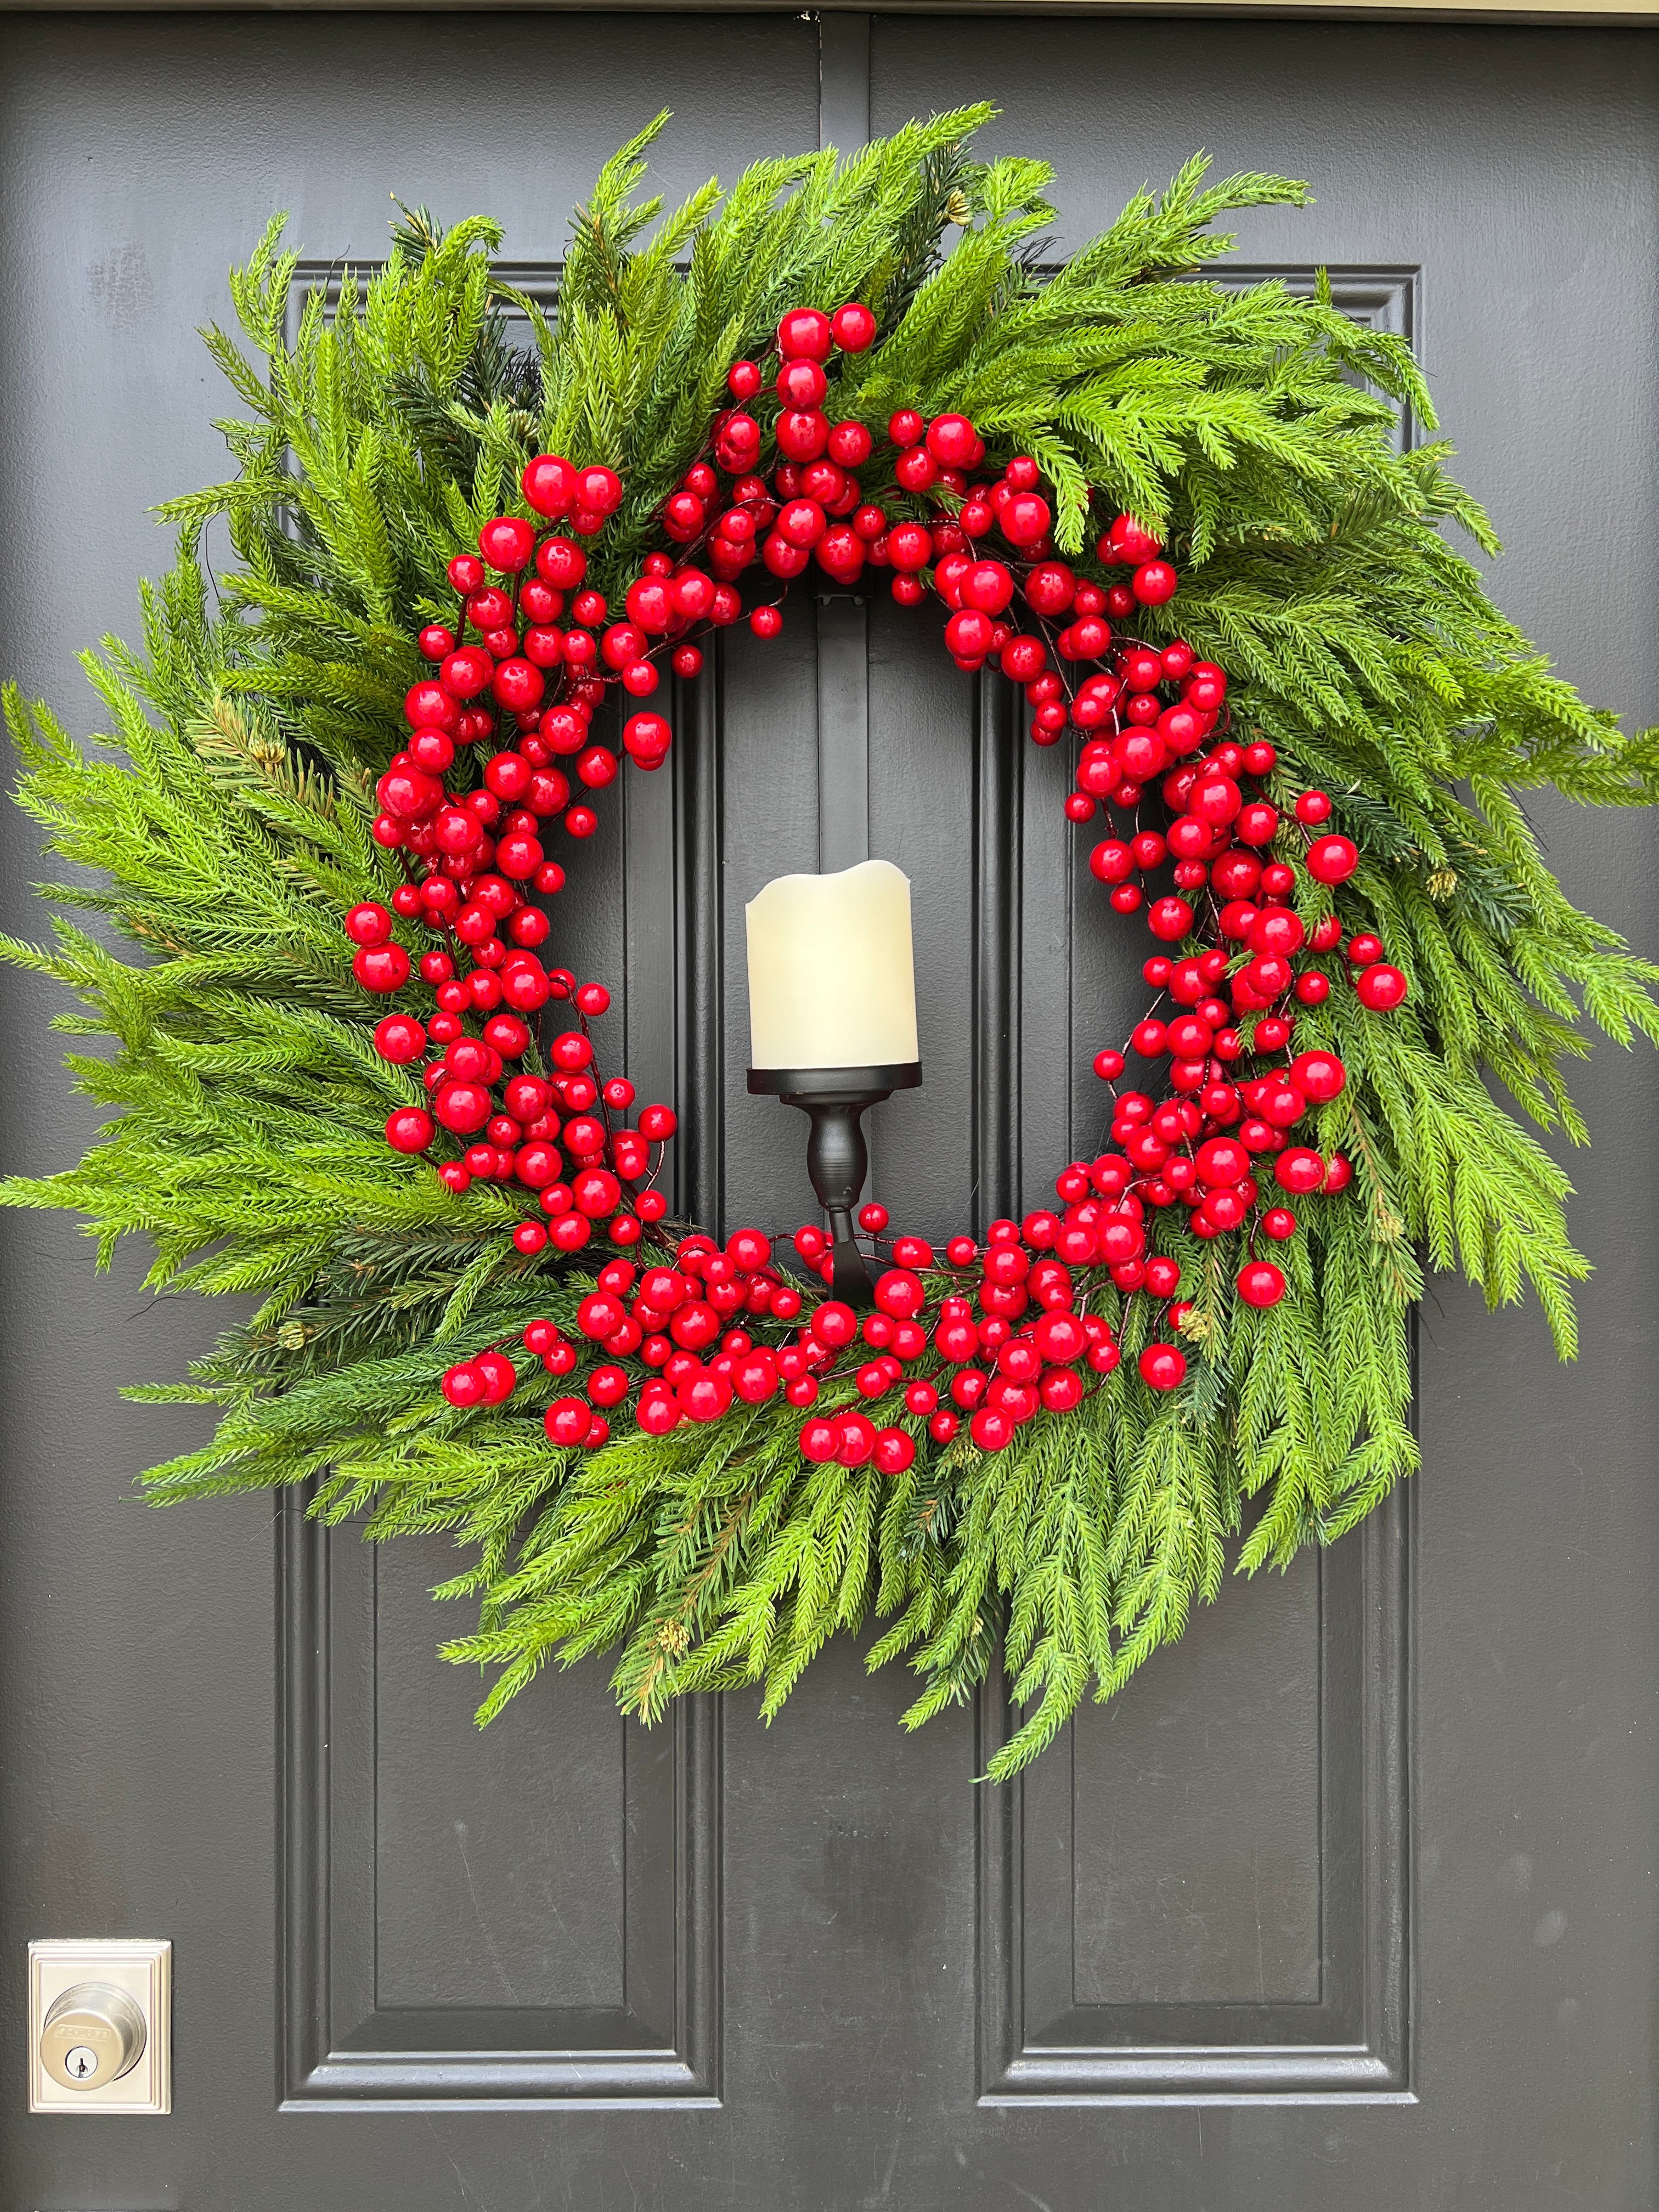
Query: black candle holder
{"type": "Point", "coordinates": [837, 1157]}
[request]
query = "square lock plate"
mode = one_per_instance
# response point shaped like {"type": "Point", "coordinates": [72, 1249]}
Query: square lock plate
{"type": "Point", "coordinates": [101, 2013]}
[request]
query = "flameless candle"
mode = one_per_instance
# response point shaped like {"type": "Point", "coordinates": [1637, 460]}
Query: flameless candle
{"type": "Point", "coordinates": [831, 980]}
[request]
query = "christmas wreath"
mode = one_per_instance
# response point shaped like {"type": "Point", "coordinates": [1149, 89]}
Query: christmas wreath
{"type": "Point", "coordinates": [344, 808]}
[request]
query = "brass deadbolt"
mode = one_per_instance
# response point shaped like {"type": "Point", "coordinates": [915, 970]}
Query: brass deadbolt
{"type": "Point", "coordinates": [93, 2034]}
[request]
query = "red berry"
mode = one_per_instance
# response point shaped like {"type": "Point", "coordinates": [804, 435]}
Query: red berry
{"type": "Point", "coordinates": [1381, 989]}
{"type": "Point", "coordinates": [399, 1038]}
{"type": "Point", "coordinates": [1153, 584]}
{"type": "Point", "coordinates": [801, 383]}
{"type": "Point", "coordinates": [835, 1324]}
{"type": "Point", "coordinates": [658, 1411]}
{"type": "Point", "coordinates": [894, 1450]}
{"type": "Point", "coordinates": [463, 1385]}
{"type": "Point", "coordinates": [568, 1421]}
{"type": "Point", "coordinates": [507, 543]}
{"type": "Point", "coordinates": [991, 1428]}
{"type": "Point", "coordinates": [1317, 1075]}
{"type": "Point", "coordinates": [1314, 807]}
{"type": "Point", "coordinates": [1298, 1169]}
{"type": "Point", "coordinates": [381, 968]}
{"type": "Point", "coordinates": [803, 334]}
{"type": "Point", "coordinates": [550, 485]}
{"type": "Point", "coordinates": [952, 441]}
{"type": "Point", "coordinates": [856, 1439]}
{"type": "Point", "coordinates": [1162, 1366]}
{"type": "Point", "coordinates": [1130, 541]}
{"type": "Point", "coordinates": [1025, 520]}
{"type": "Point", "coordinates": [1332, 859]}
{"type": "Point", "coordinates": [409, 1129]}
{"type": "Point", "coordinates": [500, 1377]}
{"type": "Point", "coordinates": [853, 327]}
{"type": "Point", "coordinates": [599, 491]}
{"type": "Point", "coordinates": [368, 924]}
{"type": "Point", "coordinates": [1261, 1284]}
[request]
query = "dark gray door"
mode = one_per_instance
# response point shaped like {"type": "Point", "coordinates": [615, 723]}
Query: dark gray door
{"type": "Point", "coordinates": [1347, 1903]}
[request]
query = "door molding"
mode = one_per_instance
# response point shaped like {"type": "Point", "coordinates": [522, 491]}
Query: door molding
{"type": "Point", "coordinates": [340, 2049]}
{"type": "Point", "coordinates": [1351, 2043]}
{"type": "Point", "coordinates": [1038, 2043]}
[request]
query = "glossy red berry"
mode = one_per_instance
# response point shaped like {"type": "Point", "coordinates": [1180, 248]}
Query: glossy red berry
{"type": "Point", "coordinates": [991, 1428]}
{"type": "Point", "coordinates": [409, 1129]}
{"type": "Point", "coordinates": [463, 1385]}
{"type": "Point", "coordinates": [1318, 1075]}
{"type": "Point", "coordinates": [1130, 541]}
{"type": "Point", "coordinates": [368, 924]}
{"type": "Point", "coordinates": [1261, 1284]}
{"type": "Point", "coordinates": [1299, 1169]}
{"type": "Point", "coordinates": [801, 383]}
{"type": "Point", "coordinates": [803, 334]}
{"type": "Point", "coordinates": [507, 543]}
{"type": "Point", "coordinates": [952, 441]}
{"type": "Point", "coordinates": [1025, 519]}
{"type": "Point", "coordinates": [1162, 1366]}
{"type": "Point", "coordinates": [894, 1450]}
{"type": "Point", "coordinates": [599, 491]}
{"type": "Point", "coordinates": [853, 327]}
{"type": "Point", "coordinates": [381, 968]}
{"type": "Point", "coordinates": [568, 1421]}
{"type": "Point", "coordinates": [550, 485]}
{"type": "Point", "coordinates": [1332, 859]}
{"type": "Point", "coordinates": [400, 1039]}
{"type": "Point", "coordinates": [1153, 584]}
{"type": "Point", "coordinates": [1380, 988]}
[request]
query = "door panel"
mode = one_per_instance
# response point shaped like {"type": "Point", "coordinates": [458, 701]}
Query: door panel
{"type": "Point", "coordinates": [1348, 1900]}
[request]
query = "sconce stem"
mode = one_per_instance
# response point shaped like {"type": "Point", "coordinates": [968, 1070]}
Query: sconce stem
{"type": "Point", "coordinates": [837, 1157]}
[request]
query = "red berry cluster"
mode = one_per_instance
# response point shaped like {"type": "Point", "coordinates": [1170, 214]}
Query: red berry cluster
{"type": "Point", "coordinates": [516, 1121]}
{"type": "Point", "coordinates": [993, 1334]}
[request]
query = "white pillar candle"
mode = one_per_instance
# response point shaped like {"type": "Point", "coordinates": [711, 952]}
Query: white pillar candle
{"type": "Point", "coordinates": [831, 979]}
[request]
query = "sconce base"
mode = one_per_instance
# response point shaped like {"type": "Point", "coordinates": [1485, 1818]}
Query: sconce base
{"type": "Point", "coordinates": [837, 1157]}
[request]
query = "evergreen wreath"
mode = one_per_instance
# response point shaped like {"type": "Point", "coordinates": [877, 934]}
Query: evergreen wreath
{"type": "Point", "coordinates": [1047, 1438]}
